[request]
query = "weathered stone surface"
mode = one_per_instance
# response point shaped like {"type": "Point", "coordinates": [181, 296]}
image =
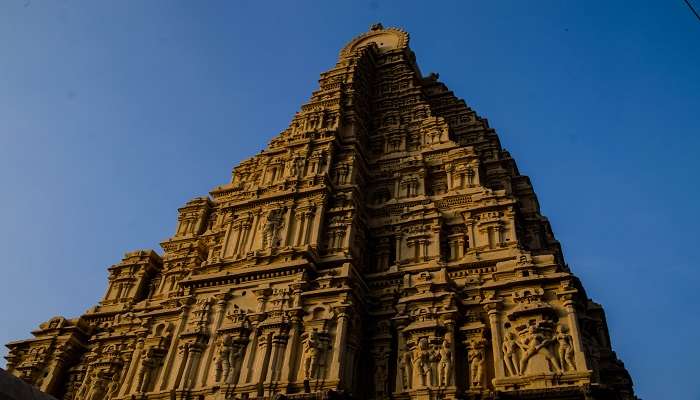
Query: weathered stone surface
{"type": "Point", "coordinates": [384, 245]}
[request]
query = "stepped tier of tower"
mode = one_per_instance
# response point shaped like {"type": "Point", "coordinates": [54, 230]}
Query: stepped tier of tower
{"type": "Point", "coordinates": [384, 245]}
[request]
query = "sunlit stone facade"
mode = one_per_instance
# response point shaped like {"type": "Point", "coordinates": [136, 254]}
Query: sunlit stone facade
{"type": "Point", "coordinates": [384, 245]}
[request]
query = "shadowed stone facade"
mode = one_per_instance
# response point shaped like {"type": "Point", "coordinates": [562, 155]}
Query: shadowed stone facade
{"type": "Point", "coordinates": [383, 246]}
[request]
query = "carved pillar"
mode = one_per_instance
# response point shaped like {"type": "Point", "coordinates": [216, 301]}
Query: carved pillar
{"type": "Point", "coordinates": [247, 364]}
{"type": "Point", "coordinates": [338, 358]}
{"type": "Point", "coordinates": [249, 240]}
{"type": "Point", "coordinates": [209, 351]}
{"type": "Point", "coordinates": [493, 309]}
{"type": "Point", "coordinates": [310, 225]}
{"type": "Point", "coordinates": [403, 382]}
{"type": "Point", "coordinates": [285, 234]}
{"type": "Point", "coordinates": [292, 351]}
{"type": "Point", "coordinates": [132, 367]}
{"type": "Point", "coordinates": [300, 221]}
{"type": "Point", "coordinates": [574, 330]}
{"type": "Point", "coordinates": [170, 360]}
{"type": "Point", "coordinates": [398, 240]}
{"type": "Point", "coordinates": [262, 358]}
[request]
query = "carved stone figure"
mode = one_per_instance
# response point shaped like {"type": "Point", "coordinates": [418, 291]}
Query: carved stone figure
{"type": "Point", "coordinates": [533, 343]}
{"type": "Point", "coordinates": [421, 363]}
{"type": "Point", "coordinates": [477, 358]}
{"type": "Point", "coordinates": [223, 362]}
{"type": "Point", "coordinates": [510, 354]}
{"type": "Point", "coordinates": [272, 226]}
{"type": "Point", "coordinates": [566, 349]}
{"type": "Point", "coordinates": [445, 363]}
{"type": "Point", "coordinates": [312, 351]}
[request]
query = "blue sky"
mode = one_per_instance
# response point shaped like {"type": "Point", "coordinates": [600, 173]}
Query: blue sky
{"type": "Point", "coordinates": [114, 114]}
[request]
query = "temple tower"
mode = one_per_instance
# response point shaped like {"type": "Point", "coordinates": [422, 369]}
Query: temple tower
{"type": "Point", "coordinates": [384, 245]}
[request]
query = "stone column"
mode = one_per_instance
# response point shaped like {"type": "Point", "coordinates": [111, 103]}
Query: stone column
{"type": "Point", "coordinates": [574, 331]}
{"type": "Point", "coordinates": [292, 351]}
{"type": "Point", "coordinates": [400, 384]}
{"type": "Point", "coordinates": [209, 351]}
{"type": "Point", "coordinates": [247, 364]}
{"type": "Point", "coordinates": [262, 358]}
{"type": "Point", "coordinates": [338, 358]}
{"type": "Point", "coordinates": [299, 219]}
{"type": "Point", "coordinates": [170, 358]}
{"type": "Point", "coordinates": [493, 309]}
{"type": "Point", "coordinates": [131, 370]}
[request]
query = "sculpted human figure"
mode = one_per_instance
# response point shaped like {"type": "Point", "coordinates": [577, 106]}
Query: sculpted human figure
{"type": "Point", "coordinates": [273, 225]}
{"type": "Point", "coordinates": [477, 357]}
{"type": "Point", "coordinates": [445, 363]}
{"type": "Point", "coordinates": [223, 364]}
{"type": "Point", "coordinates": [311, 354]}
{"type": "Point", "coordinates": [421, 362]}
{"type": "Point", "coordinates": [566, 350]}
{"type": "Point", "coordinates": [510, 354]}
{"type": "Point", "coordinates": [533, 343]}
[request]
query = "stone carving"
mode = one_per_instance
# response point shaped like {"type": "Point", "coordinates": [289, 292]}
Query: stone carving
{"type": "Point", "coordinates": [272, 227]}
{"type": "Point", "coordinates": [312, 354]}
{"type": "Point", "coordinates": [228, 360]}
{"type": "Point", "coordinates": [510, 354]}
{"type": "Point", "coordinates": [476, 360]}
{"type": "Point", "coordinates": [405, 369]}
{"type": "Point", "coordinates": [421, 357]}
{"type": "Point", "coordinates": [384, 190]}
{"type": "Point", "coordinates": [566, 349]}
{"type": "Point", "coordinates": [534, 341]}
{"type": "Point", "coordinates": [445, 363]}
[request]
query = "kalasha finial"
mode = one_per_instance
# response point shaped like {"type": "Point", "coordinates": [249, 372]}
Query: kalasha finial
{"type": "Point", "coordinates": [376, 27]}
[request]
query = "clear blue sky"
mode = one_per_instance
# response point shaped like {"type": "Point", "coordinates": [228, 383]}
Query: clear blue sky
{"type": "Point", "coordinates": [115, 113]}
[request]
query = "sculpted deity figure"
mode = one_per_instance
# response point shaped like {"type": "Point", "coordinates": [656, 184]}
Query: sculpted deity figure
{"type": "Point", "coordinates": [271, 230]}
{"type": "Point", "coordinates": [421, 363]}
{"type": "Point", "coordinates": [223, 364]}
{"type": "Point", "coordinates": [533, 343]}
{"type": "Point", "coordinates": [510, 354]}
{"type": "Point", "coordinates": [312, 350]}
{"type": "Point", "coordinates": [566, 349]}
{"type": "Point", "coordinates": [445, 363]}
{"type": "Point", "coordinates": [477, 357]}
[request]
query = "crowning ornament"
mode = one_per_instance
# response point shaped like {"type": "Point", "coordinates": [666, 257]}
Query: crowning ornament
{"type": "Point", "coordinates": [384, 245]}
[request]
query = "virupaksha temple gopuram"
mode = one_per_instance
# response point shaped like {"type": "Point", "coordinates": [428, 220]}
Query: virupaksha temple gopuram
{"type": "Point", "coordinates": [383, 246]}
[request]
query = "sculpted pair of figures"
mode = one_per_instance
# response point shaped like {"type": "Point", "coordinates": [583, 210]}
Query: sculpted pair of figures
{"type": "Point", "coordinates": [534, 342]}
